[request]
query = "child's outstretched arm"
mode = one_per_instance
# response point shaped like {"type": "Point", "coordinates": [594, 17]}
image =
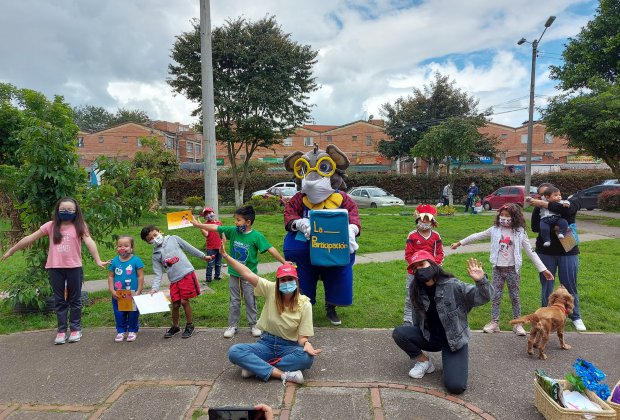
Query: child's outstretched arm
{"type": "Point", "coordinates": [276, 255]}
{"type": "Point", "coordinates": [204, 226]}
{"type": "Point", "coordinates": [473, 237]}
{"type": "Point", "coordinates": [540, 266]}
{"type": "Point", "coordinates": [245, 272]}
{"type": "Point", "coordinates": [92, 247]}
{"type": "Point", "coordinates": [24, 242]}
{"type": "Point", "coordinates": [187, 247]}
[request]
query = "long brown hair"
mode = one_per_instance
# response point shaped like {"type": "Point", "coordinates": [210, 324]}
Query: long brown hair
{"type": "Point", "coordinates": [80, 226]}
{"type": "Point", "coordinates": [518, 221]}
{"type": "Point", "coordinates": [280, 299]}
{"type": "Point", "coordinates": [414, 288]}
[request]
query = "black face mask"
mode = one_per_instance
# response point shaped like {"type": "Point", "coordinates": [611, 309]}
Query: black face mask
{"type": "Point", "coordinates": [422, 275]}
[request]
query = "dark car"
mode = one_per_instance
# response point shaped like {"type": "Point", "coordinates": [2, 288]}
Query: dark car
{"type": "Point", "coordinates": [508, 194]}
{"type": "Point", "coordinates": [588, 198]}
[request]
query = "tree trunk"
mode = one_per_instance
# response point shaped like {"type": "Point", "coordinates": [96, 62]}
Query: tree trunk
{"type": "Point", "coordinates": [164, 204]}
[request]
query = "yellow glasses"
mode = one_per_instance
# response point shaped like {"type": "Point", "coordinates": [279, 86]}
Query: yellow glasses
{"type": "Point", "coordinates": [325, 166]}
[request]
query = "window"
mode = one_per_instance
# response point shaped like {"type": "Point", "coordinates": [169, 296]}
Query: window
{"type": "Point", "coordinates": [368, 140]}
{"type": "Point", "coordinates": [189, 147]}
{"type": "Point", "coordinates": [308, 141]}
{"type": "Point", "coordinates": [80, 143]}
{"type": "Point", "coordinates": [356, 193]}
{"type": "Point", "coordinates": [100, 139]}
{"type": "Point", "coordinates": [514, 191]}
{"type": "Point", "coordinates": [288, 142]}
{"type": "Point", "coordinates": [504, 136]}
{"type": "Point", "coordinates": [169, 142]}
{"type": "Point", "coordinates": [138, 142]}
{"type": "Point", "coordinates": [548, 154]}
{"type": "Point", "coordinates": [502, 191]}
{"type": "Point", "coordinates": [353, 138]}
{"type": "Point", "coordinates": [548, 138]}
{"type": "Point", "coordinates": [197, 149]}
{"type": "Point", "coordinates": [523, 138]}
{"type": "Point", "coordinates": [330, 139]}
{"type": "Point", "coordinates": [125, 139]}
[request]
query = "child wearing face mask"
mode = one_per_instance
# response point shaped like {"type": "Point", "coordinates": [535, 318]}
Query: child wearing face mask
{"type": "Point", "coordinates": [126, 272]}
{"type": "Point", "coordinates": [508, 240]}
{"type": "Point", "coordinates": [245, 244]}
{"type": "Point", "coordinates": [213, 242]}
{"type": "Point", "coordinates": [168, 256]}
{"type": "Point", "coordinates": [424, 238]}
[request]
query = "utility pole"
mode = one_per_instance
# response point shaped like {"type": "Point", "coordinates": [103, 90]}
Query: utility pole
{"type": "Point", "coordinates": [208, 107]}
{"type": "Point", "coordinates": [530, 124]}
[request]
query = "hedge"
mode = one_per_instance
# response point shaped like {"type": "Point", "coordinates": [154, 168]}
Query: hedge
{"type": "Point", "coordinates": [411, 188]}
{"type": "Point", "coordinates": [609, 200]}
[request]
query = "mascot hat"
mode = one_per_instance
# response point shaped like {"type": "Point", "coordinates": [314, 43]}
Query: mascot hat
{"type": "Point", "coordinates": [426, 210]}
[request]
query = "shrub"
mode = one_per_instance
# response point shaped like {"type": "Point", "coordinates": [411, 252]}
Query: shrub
{"type": "Point", "coordinates": [265, 204]}
{"type": "Point", "coordinates": [609, 200]}
{"type": "Point", "coordinates": [194, 201]}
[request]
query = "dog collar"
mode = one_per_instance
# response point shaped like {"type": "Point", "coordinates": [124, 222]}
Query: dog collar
{"type": "Point", "coordinates": [562, 307]}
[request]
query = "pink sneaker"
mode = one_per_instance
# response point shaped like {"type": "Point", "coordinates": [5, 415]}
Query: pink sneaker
{"type": "Point", "coordinates": [61, 338]}
{"type": "Point", "coordinates": [119, 337]}
{"type": "Point", "coordinates": [75, 336]}
{"type": "Point", "coordinates": [131, 336]}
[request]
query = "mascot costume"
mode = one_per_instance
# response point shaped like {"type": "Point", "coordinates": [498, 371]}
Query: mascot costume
{"type": "Point", "coordinates": [321, 174]}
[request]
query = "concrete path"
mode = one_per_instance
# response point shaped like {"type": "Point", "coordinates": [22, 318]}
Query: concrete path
{"type": "Point", "coordinates": [361, 374]}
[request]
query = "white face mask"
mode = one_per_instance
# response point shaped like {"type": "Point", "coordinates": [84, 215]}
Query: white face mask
{"type": "Point", "coordinates": [317, 190]}
{"type": "Point", "coordinates": [425, 225]}
{"type": "Point", "coordinates": [505, 221]}
{"type": "Point", "coordinates": [158, 240]}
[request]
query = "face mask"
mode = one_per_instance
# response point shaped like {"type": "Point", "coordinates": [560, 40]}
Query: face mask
{"type": "Point", "coordinates": [425, 226]}
{"type": "Point", "coordinates": [66, 216]}
{"type": "Point", "coordinates": [125, 254]}
{"type": "Point", "coordinates": [158, 240]}
{"type": "Point", "coordinates": [317, 190]}
{"type": "Point", "coordinates": [422, 275]}
{"type": "Point", "coordinates": [287, 287]}
{"type": "Point", "coordinates": [210, 216]}
{"type": "Point", "coordinates": [241, 229]}
{"type": "Point", "coordinates": [505, 221]}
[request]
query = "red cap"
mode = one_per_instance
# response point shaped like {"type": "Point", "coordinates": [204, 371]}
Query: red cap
{"type": "Point", "coordinates": [206, 211]}
{"type": "Point", "coordinates": [286, 270]}
{"type": "Point", "coordinates": [420, 256]}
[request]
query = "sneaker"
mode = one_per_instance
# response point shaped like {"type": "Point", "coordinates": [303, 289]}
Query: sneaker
{"type": "Point", "coordinates": [75, 336]}
{"type": "Point", "coordinates": [255, 331]}
{"type": "Point", "coordinates": [217, 278]}
{"type": "Point", "coordinates": [245, 374]}
{"type": "Point", "coordinates": [132, 336]}
{"type": "Point", "coordinates": [548, 243]}
{"type": "Point", "coordinates": [421, 368]}
{"type": "Point", "coordinates": [61, 338]}
{"type": "Point", "coordinates": [295, 376]}
{"type": "Point", "coordinates": [407, 324]}
{"type": "Point", "coordinates": [560, 236]}
{"type": "Point", "coordinates": [172, 331]}
{"type": "Point", "coordinates": [189, 331]}
{"type": "Point", "coordinates": [119, 337]}
{"type": "Point", "coordinates": [518, 329]}
{"type": "Point", "coordinates": [330, 311]}
{"type": "Point", "coordinates": [230, 332]}
{"type": "Point", "coordinates": [579, 326]}
{"type": "Point", "coordinates": [207, 281]}
{"type": "Point", "coordinates": [491, 327]}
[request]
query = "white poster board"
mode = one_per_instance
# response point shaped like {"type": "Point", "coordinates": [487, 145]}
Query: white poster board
{"type": "Point", "coordinates": [150, 304]}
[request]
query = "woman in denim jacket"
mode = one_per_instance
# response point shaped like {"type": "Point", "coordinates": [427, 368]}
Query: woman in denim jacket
{"type": "Point", "coordinates": [441, 304]}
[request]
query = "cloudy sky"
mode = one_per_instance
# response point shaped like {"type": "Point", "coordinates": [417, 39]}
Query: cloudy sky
{"type": "Point", "coordinates": [115, 53]}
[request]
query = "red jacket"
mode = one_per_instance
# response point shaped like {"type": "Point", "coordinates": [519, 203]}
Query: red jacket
{"type": "Point", "coordinates": [417, 242]}
{"type": "Point", "coordinates": [214, 241]}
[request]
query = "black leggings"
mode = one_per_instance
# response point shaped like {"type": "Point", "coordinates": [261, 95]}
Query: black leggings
{"type": "Point", "coordinates": [73, 277]}
{"type": "Point", "coordinates": [455, 363]}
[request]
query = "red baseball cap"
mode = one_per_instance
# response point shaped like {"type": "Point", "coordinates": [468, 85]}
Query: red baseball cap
{"type": "Point", "coordinates": [286, 270]}
{"type": "Point", "coordinates": [206, 211]}
{"type": "Point", "coordinates": [420, 256]}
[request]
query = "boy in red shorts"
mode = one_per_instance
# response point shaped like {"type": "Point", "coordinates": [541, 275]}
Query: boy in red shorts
{"type": "Point", "coordinates": [168, 256]}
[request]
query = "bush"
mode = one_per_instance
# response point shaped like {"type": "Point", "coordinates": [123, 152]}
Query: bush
{"type": "Point", "coordinates": [265, 204]}
{"type": "Point", "coordinates": [194, 201]}
{"type": "Point", "coordinates": [609, 200]}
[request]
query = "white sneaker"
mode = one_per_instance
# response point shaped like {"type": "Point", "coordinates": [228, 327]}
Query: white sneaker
{"type": "Point", "coordinates": [75, 336]}
{"type": "Point", "coordinates": [421, 368]}
{"type": "Point", "coordinates": [230, 332]}
{"type": "Point", "coordinates": [246, 373]}
{"type": "Point", "coordinates": [255, 331]}
{"type": "Point", "coordinates": [295, 376]}
{"type": "Point", "coordinates": [560, 236]}
{"type": "Point", "coordinates": [579, 326]}
{"type": "Point", "coordinates": [548, 243]}
{"type": "Point", "coordinates": [61, 338]}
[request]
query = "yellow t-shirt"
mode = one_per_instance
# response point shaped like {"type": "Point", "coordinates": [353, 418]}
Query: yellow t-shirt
{"type": "Point", "coordinates": [288, 325]}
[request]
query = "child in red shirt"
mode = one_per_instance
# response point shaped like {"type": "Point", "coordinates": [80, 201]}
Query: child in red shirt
{"type": "Point", "coordinates": [424, 238]}
{"type": "Point", "coordinates": [213, 242]}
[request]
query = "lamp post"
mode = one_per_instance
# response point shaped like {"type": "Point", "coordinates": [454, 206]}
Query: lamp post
{"type": "Point", "coordinates": [530, 125]}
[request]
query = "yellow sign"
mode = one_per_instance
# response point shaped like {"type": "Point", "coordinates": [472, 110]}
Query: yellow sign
{"type": "Point", "coordinates": [582, 159]}
{"type": "Point", "coordinates": [179, 219]}
{"type": "Point", "coordinates": [125, 302]}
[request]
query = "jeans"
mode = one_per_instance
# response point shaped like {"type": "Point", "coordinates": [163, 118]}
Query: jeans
{"type": "Point", "coordinates": [73, 277]}
{"type": "Point", "coordinates": [567, 267]}
{"type": "Point", "coordinates": [216, 261]}
{"type": "Point", "coordinates": [455, 364]}
{"type": "Point", "coordinates": [126, 321]}
{"type": "Point", "coordinates": [256, 357]}
{"type": "Point", "coordinates": [408, 317]}
{"type": "Point", "coordinates": [236, 286]}
{"type": "Point", "coordinates": [548, 223]}
{"type": "Point", "coordinates": [469, 203]}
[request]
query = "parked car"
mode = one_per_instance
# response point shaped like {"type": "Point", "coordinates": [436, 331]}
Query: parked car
{"type": "Point", "coordinates": [278, 185]}
{"type": "Point", "coordinates": [285, 193]}
{"type": "Point", "coordinates": [508, 194]}
{"type": "Point", "coordinates": [609, 182]}
{"type": "Point", "coordinates": [588, 197]}
{"type": "Point", "coordinates": [374, 197]}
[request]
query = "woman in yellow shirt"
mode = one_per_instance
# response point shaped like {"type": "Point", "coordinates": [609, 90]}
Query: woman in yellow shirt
{"type": "Point", "coordinates": [283, 349]}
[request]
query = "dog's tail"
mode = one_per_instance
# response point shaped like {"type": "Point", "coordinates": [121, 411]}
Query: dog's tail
{"type": "Point", "coordinates": [527, 319]}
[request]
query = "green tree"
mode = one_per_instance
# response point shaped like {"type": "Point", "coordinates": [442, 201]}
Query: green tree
{"type": "Point", "coordinates": [95, 118]}
{"type": "Point", "coordinates": [261, 84]}
{"type": "Point", "coordinates": [10, 122]}
{"type": "Point", "coordinates": [408, 118]}
{"type": "Point", "coordinates": [162, 163]}
{"type": "Point", "coordinates": [588, 112]}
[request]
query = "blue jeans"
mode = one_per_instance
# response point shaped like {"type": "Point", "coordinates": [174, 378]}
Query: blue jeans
{"type": "Point", "coordinates": [125, 321]}
{"type": "Point", "coordinates": [216, 261]}
{"type": "Point", "coordinates": [567, 267]}
{"type": "Point", "coordinates": [255, 357]}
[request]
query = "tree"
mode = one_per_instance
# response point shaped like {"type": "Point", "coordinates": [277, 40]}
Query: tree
{"type": "Point", "coordinates": [95, 118]}
{"type": "Point", "coordinates": [408, 118]}
{"type": "Point", "coordinates": [588, 112]}
{"type": "Point", "coordinates": [162, 163]}
{"type": "Point", "coordinates": [261, 84]}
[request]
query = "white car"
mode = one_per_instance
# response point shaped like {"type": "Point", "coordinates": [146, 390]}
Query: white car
{"type": "Point", "coordinates": [278, 185]}
{"type": "Point", "coordinates": [374, 197]}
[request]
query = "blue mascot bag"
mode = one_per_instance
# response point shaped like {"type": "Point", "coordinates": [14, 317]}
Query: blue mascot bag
{"type": "Point", "coordinates": [329, 237]}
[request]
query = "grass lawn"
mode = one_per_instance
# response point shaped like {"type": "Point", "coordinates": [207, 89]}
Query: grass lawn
{"type": "Point", "coordinates": [380, 290]}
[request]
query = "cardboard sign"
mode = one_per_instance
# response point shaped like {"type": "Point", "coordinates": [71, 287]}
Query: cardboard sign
{"type": "Point", "coordinates": [329, 237]}
{"type": "Point", "coordinates": [179, 219]}
{"type": "Point", "coordinates": [570, 240]}
{"type": "Point", "coordinates": [125, 302]}
{"type": "Point", "coordinates": [150, 304]}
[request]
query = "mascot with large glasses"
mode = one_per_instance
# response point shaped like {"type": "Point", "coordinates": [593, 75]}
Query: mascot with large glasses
{"type": "Point", "coordinates": [322, 178]}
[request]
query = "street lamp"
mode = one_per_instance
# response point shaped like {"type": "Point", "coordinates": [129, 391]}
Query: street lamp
{"type": "Point", "coordinates": [530, 126]}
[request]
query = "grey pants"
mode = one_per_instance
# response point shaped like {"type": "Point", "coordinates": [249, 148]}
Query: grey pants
{"type": "Point", "coordinates": [235, 285]}
{"type": "Point", "coordinates": [511, 278]}
{"type": "Point", "coordinates": [408, 309]}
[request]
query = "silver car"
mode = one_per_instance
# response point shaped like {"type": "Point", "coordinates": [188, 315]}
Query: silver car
{"type": "Point", "coordinates": [374, 197]}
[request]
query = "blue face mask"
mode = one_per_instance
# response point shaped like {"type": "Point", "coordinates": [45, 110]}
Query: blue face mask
{"type": "Point", "coordinates": [241, 229]}
{"type": "Point", "coordinates": [66, 216]}
{"type": "Point", "coordinates": [287, 286]}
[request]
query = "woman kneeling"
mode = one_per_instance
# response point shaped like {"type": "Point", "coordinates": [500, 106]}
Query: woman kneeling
{"type": "Point", "coordinates": [441, 304]}
{"type": "Point", "coordinates": [283, 349]}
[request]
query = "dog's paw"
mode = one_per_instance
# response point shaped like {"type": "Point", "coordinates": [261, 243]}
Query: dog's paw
{"type": "Point", "coordinates": [542, 356]}
{"type": "Point", "coordinates": [566, 346]}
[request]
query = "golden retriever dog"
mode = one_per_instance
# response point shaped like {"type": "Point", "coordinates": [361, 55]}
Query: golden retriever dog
{"type": "Point", "coordinates": [547, 320]}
